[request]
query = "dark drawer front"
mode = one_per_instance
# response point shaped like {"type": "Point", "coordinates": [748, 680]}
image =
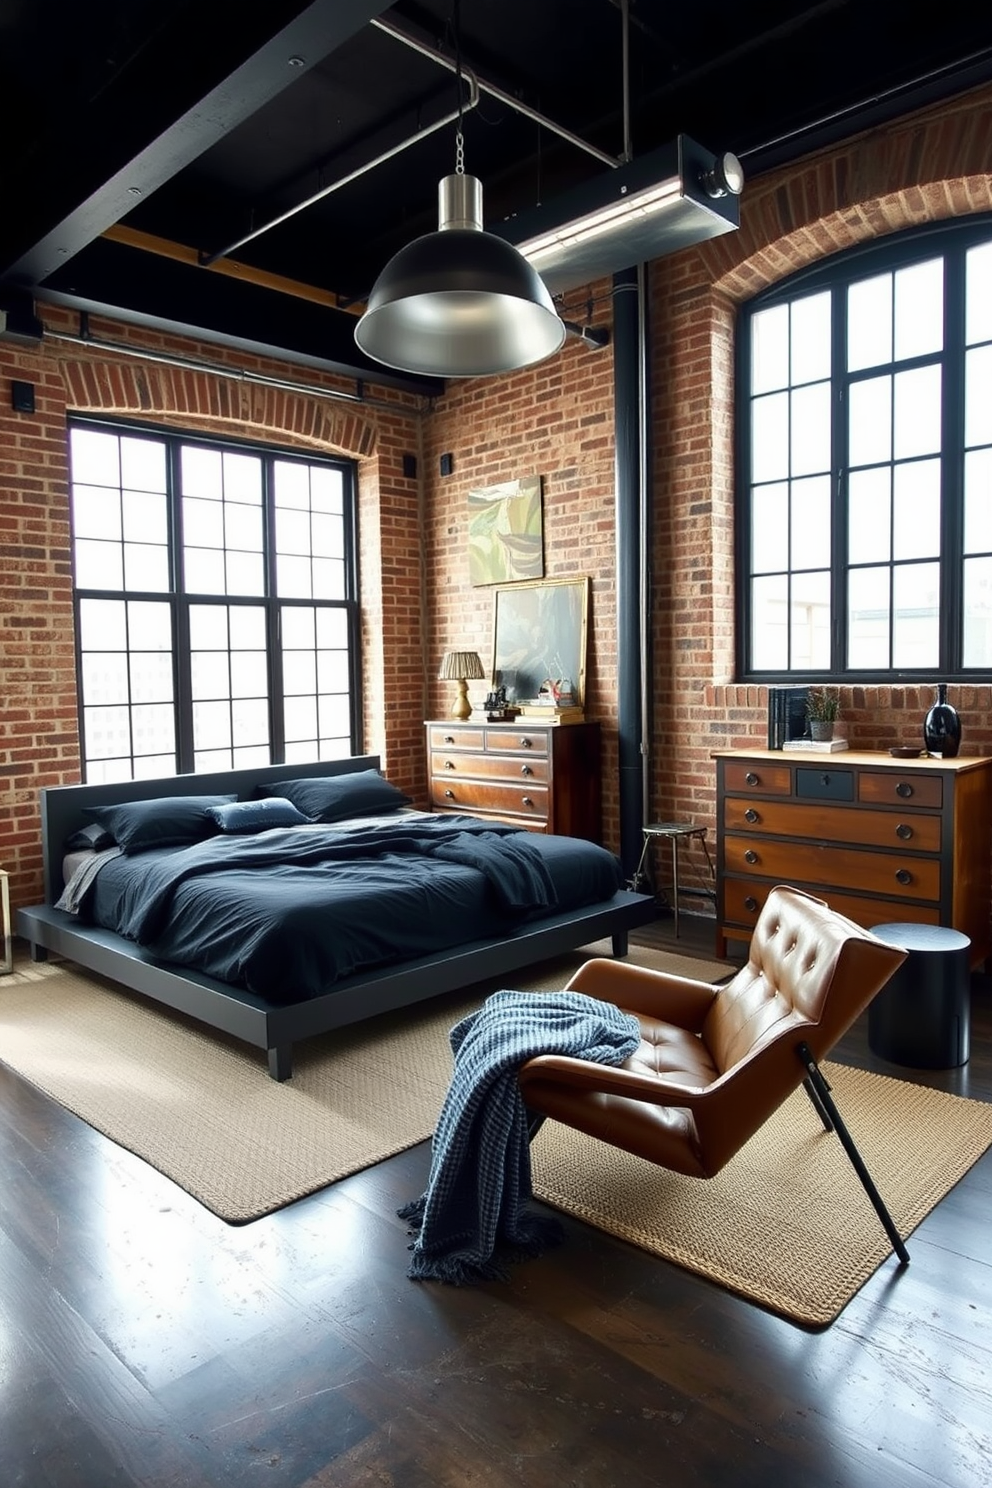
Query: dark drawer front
{"type": "Point", "coordinates": [507, 767]}
{"type": "Point", "coordinates": [825, 784]}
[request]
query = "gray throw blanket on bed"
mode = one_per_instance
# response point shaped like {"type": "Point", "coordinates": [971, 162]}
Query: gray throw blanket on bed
{"type": "Point", "coordinates": [472, 1218]}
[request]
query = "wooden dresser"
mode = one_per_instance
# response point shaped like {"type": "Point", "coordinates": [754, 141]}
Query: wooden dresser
{"type": "Point", "coordinates": [879, 839]}
{"type": "Point", "coordinates": [542, 776]}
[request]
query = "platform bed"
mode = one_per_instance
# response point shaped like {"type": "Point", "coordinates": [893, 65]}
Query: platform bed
{"type": "Point", "coordinates": [239, 1012]}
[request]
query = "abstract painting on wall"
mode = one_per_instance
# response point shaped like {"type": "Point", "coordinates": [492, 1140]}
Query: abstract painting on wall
{"type": "Point", "coordinates": [505, 532]}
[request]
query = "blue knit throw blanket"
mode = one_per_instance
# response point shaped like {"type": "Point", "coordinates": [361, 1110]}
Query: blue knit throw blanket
{"type": "Point", "coordinates": [472, 1218]}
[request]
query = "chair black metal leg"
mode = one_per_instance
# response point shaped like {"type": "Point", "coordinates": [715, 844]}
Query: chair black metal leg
{"type": "Point", "coordinates": [824, 1101]}
{"type": "Point", "coordinates": [818, 1105]}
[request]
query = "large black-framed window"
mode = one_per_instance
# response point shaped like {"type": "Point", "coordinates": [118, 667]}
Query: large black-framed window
{"type": "Point", "coordinates": [864, 458]}
{"type": "Point", "coordinates": [215, 589]}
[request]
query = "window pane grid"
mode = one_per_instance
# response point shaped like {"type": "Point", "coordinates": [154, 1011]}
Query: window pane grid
{"type": "Point", "coordinates": [907, 474]}
{"type": "Point", "coordinates": [221, 696]}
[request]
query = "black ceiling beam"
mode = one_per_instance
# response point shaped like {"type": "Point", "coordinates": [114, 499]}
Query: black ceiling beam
{"type": "Point", "coordinates": [127, 284]}
{"type": "Point", "coordinates": [95, 161]}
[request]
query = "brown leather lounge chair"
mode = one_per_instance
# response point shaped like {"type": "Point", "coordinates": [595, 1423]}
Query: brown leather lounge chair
{"type": "Point", "coordinates": [715, 1062]}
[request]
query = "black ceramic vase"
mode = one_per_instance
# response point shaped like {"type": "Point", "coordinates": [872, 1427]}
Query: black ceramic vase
{"type": "Point", "coordinates": [942, 726]}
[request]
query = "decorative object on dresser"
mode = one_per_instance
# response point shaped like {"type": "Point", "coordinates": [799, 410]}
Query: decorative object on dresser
{"type": "Point", "coordinates": [942, 726]}
{"type": "Point", "coordinates": [540, 634]}
{"type": "Point", "coordinates": [786, 715]}
{"type": "Point", "coordinates": [879, 839]}
{"type": "Point", "coordinates": [530, 773]}
{"type": "Point", "coordinates": [459, 666]}
{"type": "Point", "coordinates": [822, 708]}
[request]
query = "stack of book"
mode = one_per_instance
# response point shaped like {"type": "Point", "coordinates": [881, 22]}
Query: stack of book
{"type": "Point", "coordinates": [815, 746]}
{"type": "Point", "coordinates": [552, 714]}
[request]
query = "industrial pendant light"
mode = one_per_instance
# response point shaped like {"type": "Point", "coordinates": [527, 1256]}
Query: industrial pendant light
{"type": "Point", "coordinates": [459, 302]}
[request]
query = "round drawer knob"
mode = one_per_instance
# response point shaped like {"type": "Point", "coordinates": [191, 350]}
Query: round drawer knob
{"type": "Point", "coordinates": [450, 795]}
{"type": "Point", "coordinates": [904, 876]}
{"type": "Point", "coordinates": [750, 778]}
{"type": "Point", "coordinates": [449, 764]}
{"type": "Point", "coordinates": [526, 744]}
{"type": "Point", "coordinates": [526, 770]}
{"type": "Point", "coordinates": [750, 904]}
{"type": "Point", "coordinates": [751, 815]}
{"type": "Point", "coordinates": [750, 856]}
{"type": "Point", "coordinates": [449, 739]}
{"type": "Point", "coordinates": [903, 831]}
{"type": "Point", "coordinates": [528, 801]}
{"type": "Point", "coordinates": [904, 789]}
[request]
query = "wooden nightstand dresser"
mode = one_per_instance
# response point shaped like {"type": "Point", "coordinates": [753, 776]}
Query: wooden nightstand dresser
{"type": "Point", "coordinates": [542, 776]}
{"type": "Point", "coordinates": [880, 839]}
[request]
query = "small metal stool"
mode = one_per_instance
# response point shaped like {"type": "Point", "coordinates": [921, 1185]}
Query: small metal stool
{"type": "Point", "coordinates": [674, 831]}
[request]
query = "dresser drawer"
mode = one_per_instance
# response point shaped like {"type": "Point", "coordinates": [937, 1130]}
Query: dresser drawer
{"type": "Point", "coordinates": [887, 787]}
{"type": "Point", "coordinates": [744, 900]}
{"type": "Point", "coordinates": [892, 829]}
{"type": "Point", "coordinates": [475, 795]}
{"type": "Point", "coordinates": [511, 768]}
{"type": "Point", "coordinates": [517, 741]}
{"type": "Point", "coordinates": [755, 778]}
{"type": "Point", "coordinates": [824, 785]}
{"type": "Point", "coordinates": [900, 875]}
{"type": "Point", "coordinates": [454, 736]}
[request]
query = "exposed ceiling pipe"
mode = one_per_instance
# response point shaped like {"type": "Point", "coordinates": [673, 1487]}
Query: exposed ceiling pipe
{"type": "Point", "coordinates": [490, 88]}
{"type": "Point", "coordinates": [476, 86]}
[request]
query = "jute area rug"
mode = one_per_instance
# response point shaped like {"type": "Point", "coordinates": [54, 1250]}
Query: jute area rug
{"type": "Point", "coordinates": [786, 1224]}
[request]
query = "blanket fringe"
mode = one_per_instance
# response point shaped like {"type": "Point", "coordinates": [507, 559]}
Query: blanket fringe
{"type": "Point", "coordinates": [536, 1234]}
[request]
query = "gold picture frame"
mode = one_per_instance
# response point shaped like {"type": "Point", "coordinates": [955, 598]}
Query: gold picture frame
{"type": "Point", "coordinates": [540, 633]}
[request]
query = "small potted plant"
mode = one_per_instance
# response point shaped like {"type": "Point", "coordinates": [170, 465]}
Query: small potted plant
{"type": "Point", "coordinates": [822, 707]}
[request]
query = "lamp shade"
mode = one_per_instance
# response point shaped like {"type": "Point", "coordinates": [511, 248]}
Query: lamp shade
{"type": "Point", "coordinates": [458, 664]}
{"type": "Point", "coordinates": [459, 302]}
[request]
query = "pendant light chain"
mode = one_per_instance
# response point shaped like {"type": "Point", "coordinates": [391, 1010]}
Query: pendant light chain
{"type": "Point", "coordinates": [459, 136]}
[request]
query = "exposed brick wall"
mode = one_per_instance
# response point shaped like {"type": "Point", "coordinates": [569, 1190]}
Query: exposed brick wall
{"type": "Point", "coordinates": [39, 742]}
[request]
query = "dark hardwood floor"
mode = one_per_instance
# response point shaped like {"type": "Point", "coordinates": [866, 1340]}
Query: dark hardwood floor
{"type": "Point", "coordinates": [143, 1341]}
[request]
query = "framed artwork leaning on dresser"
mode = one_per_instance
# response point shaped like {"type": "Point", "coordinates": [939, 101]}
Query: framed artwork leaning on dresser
{"type": "Point", "coordinates": [540, 633]}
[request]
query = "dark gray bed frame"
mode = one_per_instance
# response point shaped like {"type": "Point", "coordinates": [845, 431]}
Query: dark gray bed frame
{"type": "Point", "coordinates": [270, 1026]}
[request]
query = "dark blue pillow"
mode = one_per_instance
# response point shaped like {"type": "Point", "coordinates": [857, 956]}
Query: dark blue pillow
{"type": "Point", "coordinates": [93, 838]}
{"type": "Point", "coordinates": [163, 821]}
{"type": "Point", "coordinates": [257, 816]}
{"type": "Point", "coordinates": [331, 798]}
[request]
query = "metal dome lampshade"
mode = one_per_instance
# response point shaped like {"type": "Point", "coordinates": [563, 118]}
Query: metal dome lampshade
{"type": "Point", "coordinates": [457, 666]}
{"type": "Point", "coordinates": [459, 302]}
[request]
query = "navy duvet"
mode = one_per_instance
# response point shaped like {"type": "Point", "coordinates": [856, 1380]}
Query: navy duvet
{"type": "Point", "coordinates": [288, 912]}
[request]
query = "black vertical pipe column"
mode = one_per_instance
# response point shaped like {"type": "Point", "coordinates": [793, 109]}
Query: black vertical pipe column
{"type": "Point", "coordinates": [630, 401]}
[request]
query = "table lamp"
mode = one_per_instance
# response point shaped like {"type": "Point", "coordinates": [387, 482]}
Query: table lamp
{"type": "Point", "coordinates": [460, 666]}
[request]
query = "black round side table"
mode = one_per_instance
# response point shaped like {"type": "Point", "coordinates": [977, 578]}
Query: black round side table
{"type": "Point", "coordinates": [922, 1016]}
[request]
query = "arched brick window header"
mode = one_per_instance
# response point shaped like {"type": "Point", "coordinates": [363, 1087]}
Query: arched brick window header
{"type": "Point", "coordinates": [203, 400]}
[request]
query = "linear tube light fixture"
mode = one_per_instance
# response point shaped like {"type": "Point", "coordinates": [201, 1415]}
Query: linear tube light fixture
{"type": "Point", "coordinates": [597, 223]}
{"type": "Point", "coordinates": [664, 201]}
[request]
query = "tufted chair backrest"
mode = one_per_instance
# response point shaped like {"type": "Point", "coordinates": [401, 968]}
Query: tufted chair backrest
{"type": "Point", "coordinates": [807, 967]}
